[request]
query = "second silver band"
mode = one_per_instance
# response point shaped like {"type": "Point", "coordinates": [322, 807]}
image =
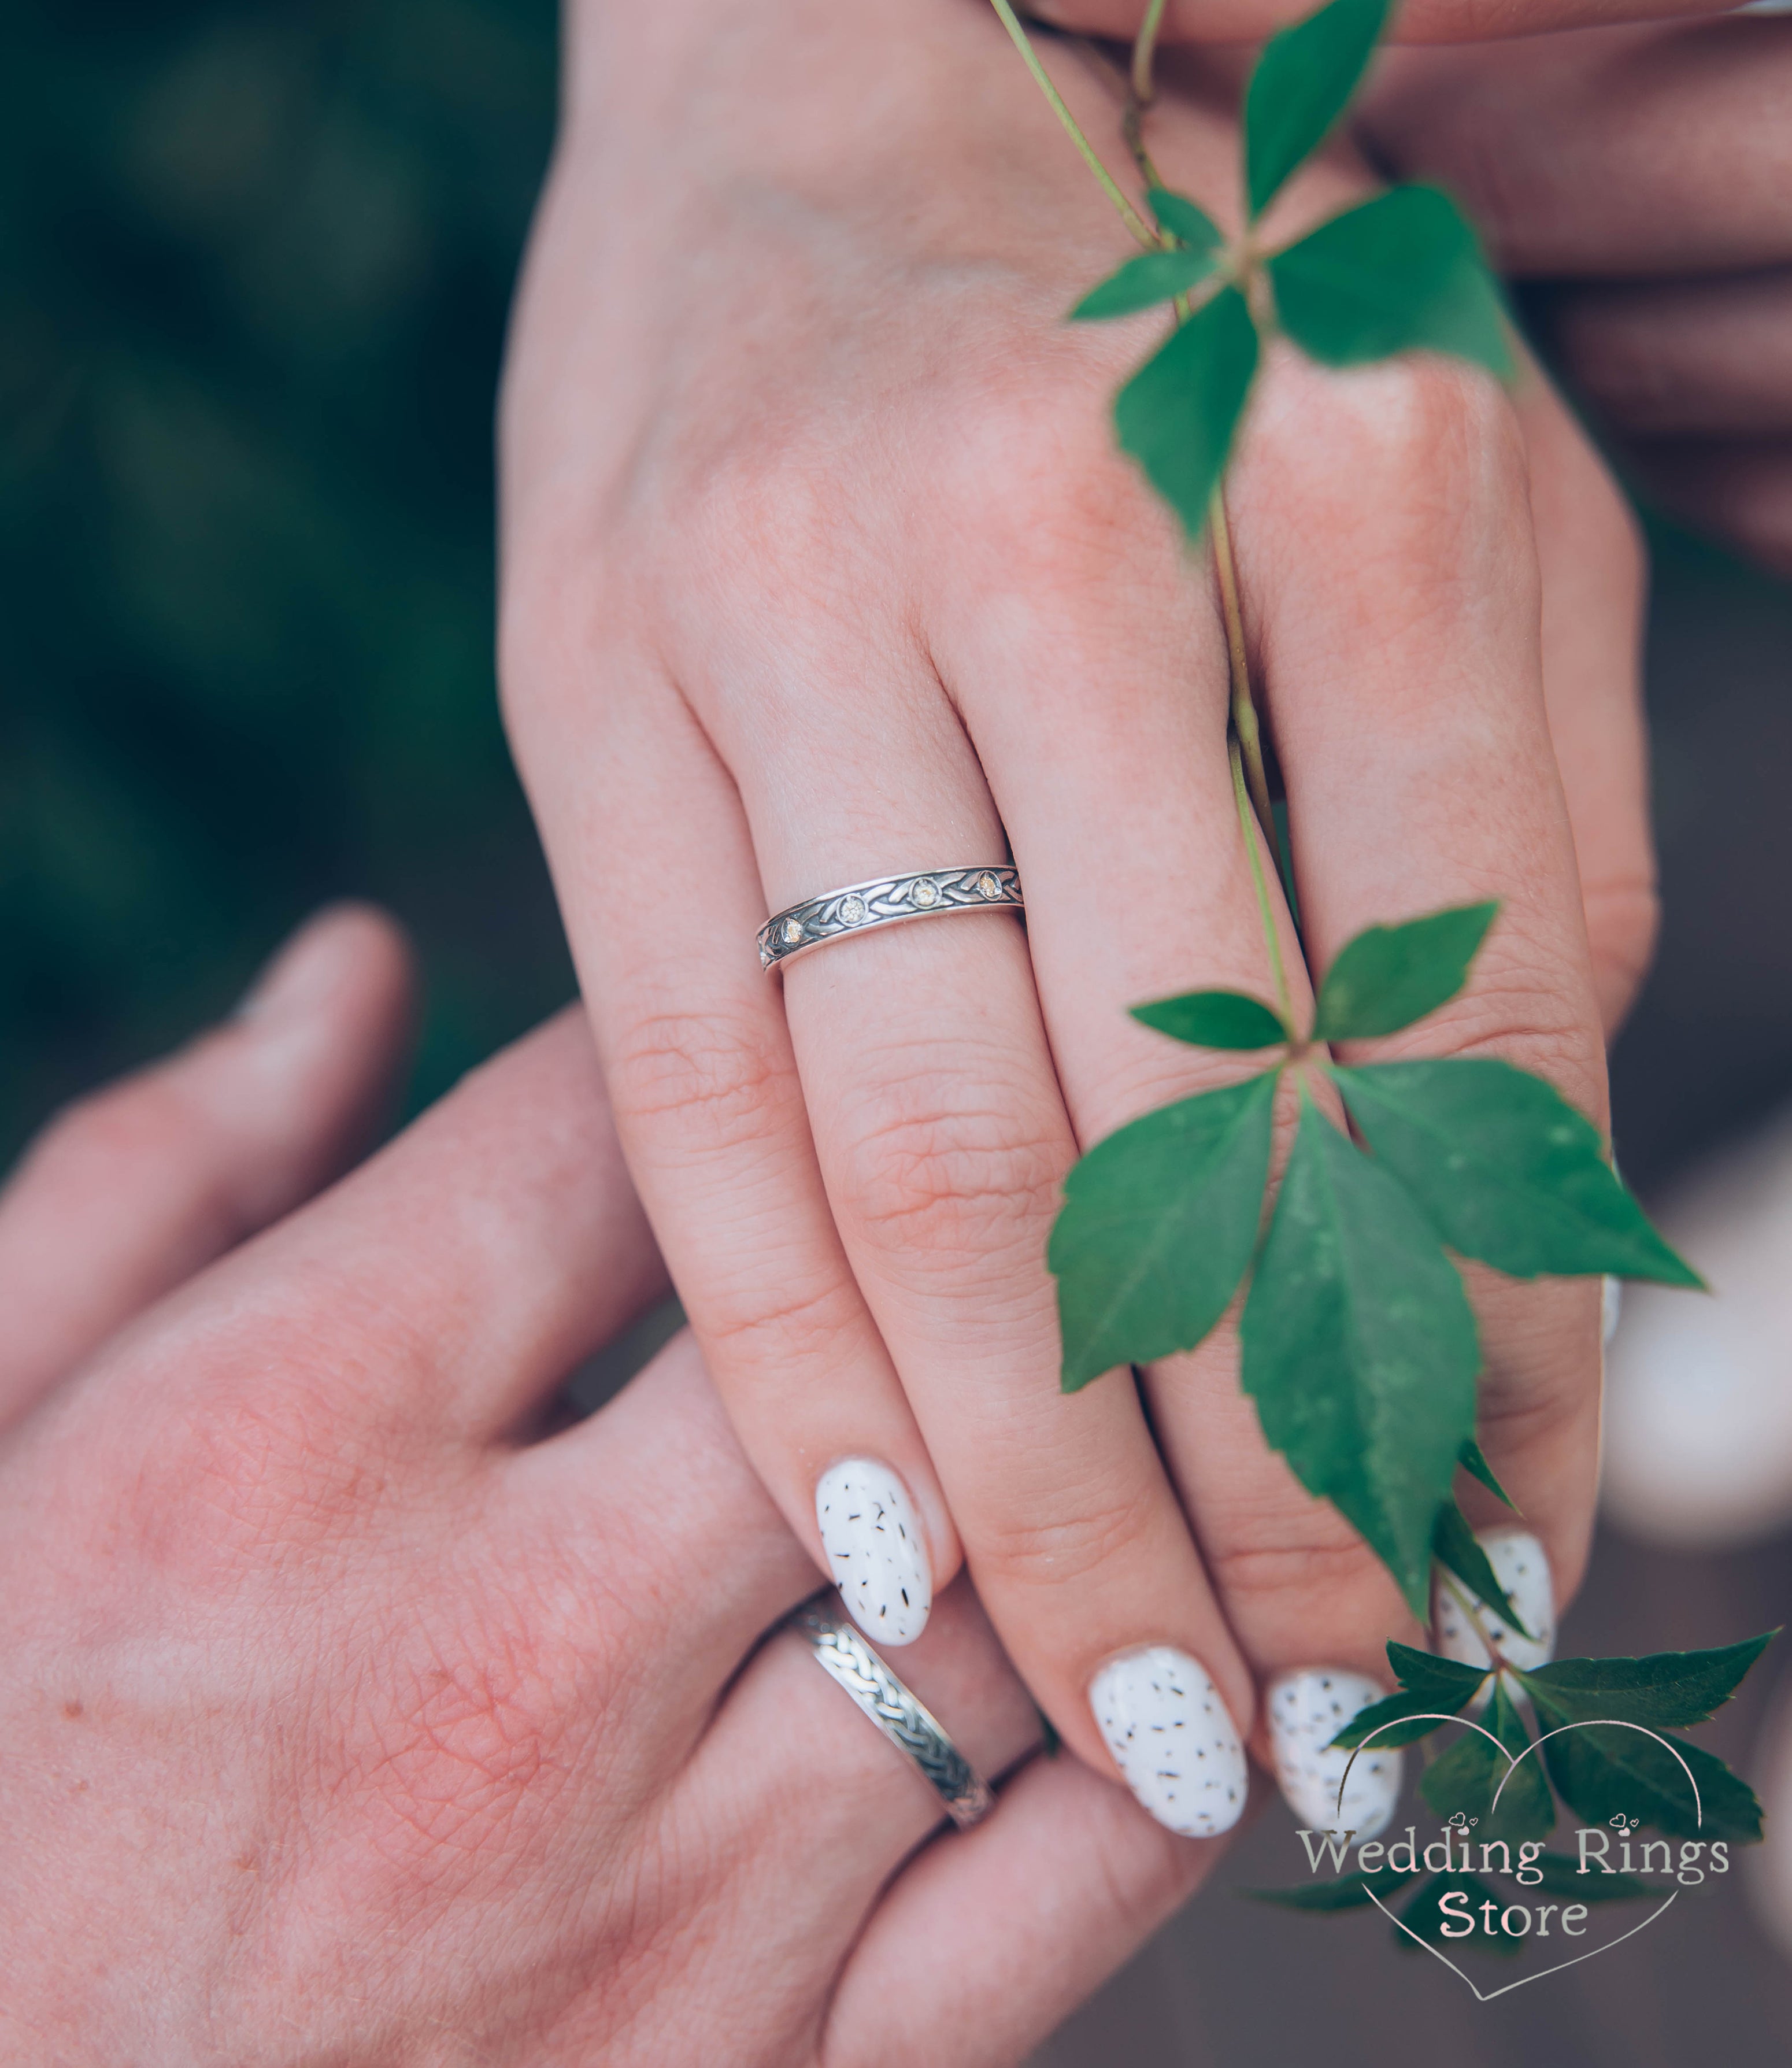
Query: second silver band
{"type": "Point", "coordinates": [886, 901]}
{"type": "Point", "coordinates": [906, 1721]}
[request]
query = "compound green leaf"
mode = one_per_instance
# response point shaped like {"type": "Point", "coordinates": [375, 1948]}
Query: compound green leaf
{"type": "Point", "coordinates": [1142, 282]}
{"type": "Point", "coordinates": [1395, 1720]}
{"type": "Point", "coordinates": [1665, 1690]}
{"type": "Point", "coordinates": [1506, 1169]}
{"type": "Point", "coordinates": [1401, 273]}
{"type": "Point", "coordinates": [1177, 414]}
{"type": "Point", "coordinates": [1158, 1226]}
{"type": "Point", "coordinates": [1183, 219]}
{"type": "Point", "coordinates": [1602, 1770]}
{"type": "Point", "coordinates": [1455, 1548]}
{"type": "Point", "coordinates": [1387, 977]}
{"type": "Point", "coordinates": [1214, 1019]}
{"type": "Point", "coordinates": [1360, 1349]}
{"type": "Point", "coordinates": [1302, 83]}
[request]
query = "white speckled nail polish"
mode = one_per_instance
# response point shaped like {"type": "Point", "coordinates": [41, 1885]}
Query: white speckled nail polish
{"type": "Point", "coordinates": [876, 1551]}
{"type": "Point", "coordinates": [1171, 1737]}
{"type": "Point", "coordinates": [1307, 1710]}
{"type": "Point", "coordinates": [1521, 1569]}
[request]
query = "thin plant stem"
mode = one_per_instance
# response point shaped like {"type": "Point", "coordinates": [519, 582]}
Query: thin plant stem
{"type": "Point", "coordinates": [1466, 1604]}
{"type": "Point", "coordinates": [1144, 51]}
{"type": "Point", "coordinates": [1271, 934]}
{"type": "Point", "coordinates": [1130, 215]}
{"type": "Point", "coordinates": [1244, 707]}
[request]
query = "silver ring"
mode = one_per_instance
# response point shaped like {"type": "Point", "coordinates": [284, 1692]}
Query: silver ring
{"type": "Point", "coordinates": [908, 1724]}
{"type": "Point", "coordinates": [886, 901]}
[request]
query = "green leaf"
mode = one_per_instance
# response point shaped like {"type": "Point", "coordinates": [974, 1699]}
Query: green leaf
{"type": "Point", "coordinates": [1183, 219]}
{"type": "Point", "coordinates": [1474, 1462]}
{"type": "Point", "coordinates": [1390, 976]}
{"type": "Point", "coordinates": [1428, 1683]}
{"type": "Point", "coordinates": [1664, 1691]}
{"type": "Point", "coordinates": [1602, 1770]}
{"type": "Point", "coordinates": [1157, 1228]}
{"type": "Point", "coordinates": [1563, 1876]}
{"type": "Point", "coordinates": [1468, 1776]}
{"type": "Point", "coordinates": [1301, 84]}
{"type": "Point", "coordinates": [1387, 1720]}
{"type": "Point", "coordinates": [1455, 1547]}
{"type": "Point", "coordinates": [1401, 273]}
{"type": "Point", "coordinates": [1214, 1019]}
{"type": "Point", "coordinates": [1360, 1350]}
{"type": "Point", "coordinates": [1506, 1169]}
{"type": "Point", "coordinates": [1447, 1680]}
{"type": "Point", "coordinates": [1177, 414]}
{"type": "Point", "coordinates": [1425, 1916]}
{"type": "Point", "coordinates": [1142, 282]}
{"type": "Point", "coordinates": [1348, 1892]}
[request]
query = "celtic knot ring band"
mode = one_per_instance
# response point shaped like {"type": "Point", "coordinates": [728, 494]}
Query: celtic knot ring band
{"type": "Point", "coordinates": [908, 1724]}
{"type": "Point", "coordinates": [885, 901]}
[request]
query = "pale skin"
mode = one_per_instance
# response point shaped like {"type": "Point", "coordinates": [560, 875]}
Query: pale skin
{"type": "Point", "coordinates": [819, 564]}
{"type": "Point", "coordinates": [339, 1714]}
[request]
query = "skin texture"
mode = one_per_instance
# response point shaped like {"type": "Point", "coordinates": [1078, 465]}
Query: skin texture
{"type": "Point", "coordinates": [1641, 178]}
{"type": "Point", "coordinates": [819, 564]}
{"type": "Point", "coordinates": [341, 1724]}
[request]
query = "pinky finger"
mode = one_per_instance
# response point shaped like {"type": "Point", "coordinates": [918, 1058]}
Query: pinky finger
{"type": "Point", "coordinates": [989, 1940]}
{"type": "Point", "coordinates": [137, 1186]}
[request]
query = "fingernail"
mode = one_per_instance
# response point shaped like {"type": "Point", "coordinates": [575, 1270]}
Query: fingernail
{"type": "Point", "coordinates": [1611, 1307]}
{"type": "Point", "coordinates": [1172, 1738]}
{"type": "Point", "coordinates": [876, 1551]}
{"type": "Point", "coordinates": [1521, 1568]}
{"type": "Point", "coordinates": [1307, 1710]}
{"type": "Point", "coordinates": [300, 976]}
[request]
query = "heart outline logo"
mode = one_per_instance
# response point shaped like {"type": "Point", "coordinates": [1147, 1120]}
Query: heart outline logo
{"type": "Point", "coordinates": [1588, 1723]}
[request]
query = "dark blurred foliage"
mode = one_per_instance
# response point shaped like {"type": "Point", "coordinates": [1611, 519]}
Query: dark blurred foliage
{"type": "Point", "coordinates": [254, 265]}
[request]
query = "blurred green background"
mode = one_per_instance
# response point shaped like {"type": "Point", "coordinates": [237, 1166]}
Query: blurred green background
{"type": "Point", "coordinates": [254, 265]}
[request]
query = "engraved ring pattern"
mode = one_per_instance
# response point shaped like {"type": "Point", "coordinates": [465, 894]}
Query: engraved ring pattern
{"type": "Point", "coordinates": [885, 901]}
{"type": "Point", "coordinates": [909, 1724]}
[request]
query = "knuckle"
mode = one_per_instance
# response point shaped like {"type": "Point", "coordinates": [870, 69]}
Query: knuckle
{"type": "Point", "coordinates": [715, 1078]}
{"type": "Point", "coordinates": [1431, 445]}
{"type": "Point", "coordinates": [1274, 1565]}
{"type": "Point", "coordinates": [1067, 1537]}
{"type": "Point", "coordinates": [940, 1165]}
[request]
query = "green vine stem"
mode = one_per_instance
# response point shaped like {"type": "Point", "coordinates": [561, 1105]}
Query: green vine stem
{"type": "Point", "coordinates": [1245, 723]}
{"type": "Point", "coordinates": [1144, 51]}
{"type": "Point", "coordinates": [1023, 42]}
{"type": "Point", "coordinates": [1266, 911]}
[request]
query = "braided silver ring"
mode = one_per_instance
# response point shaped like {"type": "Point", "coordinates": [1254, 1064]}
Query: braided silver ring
{"type": "Point", "coordinates": [908, 1724]}
{"type": "Point", "coordinates": [886, 901]}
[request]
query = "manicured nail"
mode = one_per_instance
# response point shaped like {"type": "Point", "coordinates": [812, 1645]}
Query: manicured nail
{"type": "Point", "coordinates": [1611, 1307]}
{"type": "Point", "coordinates": [876, 1551]}
{"type": "Point", "coordinates": [1521, 1568]}
{"type": "Point", "coordinates": [1171, 1737]}
{"type": "Point", "coordinates": [1307, 1710]}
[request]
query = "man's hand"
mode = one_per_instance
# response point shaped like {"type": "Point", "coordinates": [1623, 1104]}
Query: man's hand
{"type": "Point", "coordinates": [338, 1721]}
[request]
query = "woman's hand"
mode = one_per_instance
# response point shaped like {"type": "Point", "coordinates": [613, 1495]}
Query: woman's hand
{"type": "Point", "coordinates": [1644, 176]}
{"type": "Point", "coordinates": [337, 1722]}
{"type": "Point", "coordinates": [820, 565]}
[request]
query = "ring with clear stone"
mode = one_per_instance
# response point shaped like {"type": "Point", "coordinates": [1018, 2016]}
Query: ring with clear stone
{"type": "Point", "coordinates": [905, 1720]}
{"type": "Point", "coordinates": [886, 901]}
